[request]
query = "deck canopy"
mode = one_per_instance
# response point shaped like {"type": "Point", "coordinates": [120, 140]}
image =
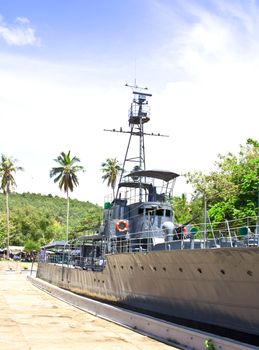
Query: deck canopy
{"type": "Point", "coordinates": [89, 238]}
{"type": "Point", "coordinates": [155, 174]}
{"type": "Point", "coordinates": [134, 185]}
{"type": "Point", "coordinates": [56, 244]}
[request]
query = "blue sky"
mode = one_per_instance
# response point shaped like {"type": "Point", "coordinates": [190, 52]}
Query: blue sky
{"type": "Point", "coordinates": [64, 64]}
{"type": "Point", "coordinates": [85, 30]}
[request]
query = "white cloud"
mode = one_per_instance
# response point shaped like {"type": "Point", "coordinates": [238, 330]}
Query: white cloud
{"type": "Point", "coordinates": [23, 20]}
{"type": "Point", "coordinates": [18, 34]}
{"type": "Point", "coordinates": [213, 103]}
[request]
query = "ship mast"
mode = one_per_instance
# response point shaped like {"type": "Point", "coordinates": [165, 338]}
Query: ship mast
{"type": "Point", "coordinates": [139, 114]}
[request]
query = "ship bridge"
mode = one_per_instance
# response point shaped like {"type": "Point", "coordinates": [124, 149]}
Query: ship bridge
{"type": "Point", "coordinates": [147, 186]}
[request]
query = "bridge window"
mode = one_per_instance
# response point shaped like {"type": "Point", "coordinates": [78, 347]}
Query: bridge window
{"type": "Point", "coordinates": [160, 212]}
{"type": "Point", "coordinates": [168, 212]}
{"type": "Point", "coordinates": [150, 211]}
{"type": "Point", "coordinates": [154, 211]}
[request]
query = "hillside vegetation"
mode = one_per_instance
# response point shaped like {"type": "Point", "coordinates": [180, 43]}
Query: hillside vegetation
{"type": "Point", "coordinates": [39, 218]}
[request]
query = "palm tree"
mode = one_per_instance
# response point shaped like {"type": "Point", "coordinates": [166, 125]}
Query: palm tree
{"type": "Point", "coordinates": [111, 169]}
{"type": "Point", "coordinates": [7, 169]}
{"type": "Point", "coordinates": [65, 175]}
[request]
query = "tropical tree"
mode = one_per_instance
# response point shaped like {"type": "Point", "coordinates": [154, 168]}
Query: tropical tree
{"type": "Point", "coordinates": [7, 169]}
{"type": "Point", "coordinates": [111, 169]}
{"type": "Point", "coordinates": [182, 208]}
{"type": "Point", "coordinates": [232, 189]}
{"type": "Point", "coordinates": [66, 176]}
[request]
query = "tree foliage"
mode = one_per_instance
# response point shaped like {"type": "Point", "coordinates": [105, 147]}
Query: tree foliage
{"type": "Point", "coordinates": [66, 176]}
{"type": "Point", "coordinates": [7, 171]}
{"type": "Point", "coordinates": [232, 189]}
{"type": "Point", "coordinates": [111, 169]}
{"type": "Point", "coordinates": [66, 171]}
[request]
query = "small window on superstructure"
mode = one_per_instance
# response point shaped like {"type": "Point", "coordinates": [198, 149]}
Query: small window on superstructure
{"type": "Point", "coordinates": [159, 212]}
{"type": "Point", "coordinates": [150, 211]}
{"type": "Point", "coordinates": [141, 211]}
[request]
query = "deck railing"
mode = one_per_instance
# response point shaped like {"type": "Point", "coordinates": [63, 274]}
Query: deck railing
{"type": "Point", "coordinates": [152, 240]}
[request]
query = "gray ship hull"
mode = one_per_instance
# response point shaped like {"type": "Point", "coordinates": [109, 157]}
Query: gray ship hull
{"type": "Point", "coordinates": [218, 287]}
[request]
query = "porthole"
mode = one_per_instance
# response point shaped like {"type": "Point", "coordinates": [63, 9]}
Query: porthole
{"type": "Point", "coordinates": [154, 268]}
{"type": "Point", "coordinates": [180, 269]}
{"type": "Point", "coordinates": [164, 268]}
{"type": "Point", "coordinates": [223, 272]}
{"type": "Point", "coordinates": [122, 267]}
{"type": "Point", "coordinates": [199, 270]}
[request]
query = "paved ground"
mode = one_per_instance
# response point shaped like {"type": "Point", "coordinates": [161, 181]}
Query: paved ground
{"type": "Point", "coordinates": [30, 319]}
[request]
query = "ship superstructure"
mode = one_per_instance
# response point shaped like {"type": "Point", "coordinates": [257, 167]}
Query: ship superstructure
{"type": "Point", "coordinates": [137, 217]}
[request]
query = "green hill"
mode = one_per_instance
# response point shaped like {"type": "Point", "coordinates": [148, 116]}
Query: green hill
{"type": "Point", "coordinates": [39, 218]}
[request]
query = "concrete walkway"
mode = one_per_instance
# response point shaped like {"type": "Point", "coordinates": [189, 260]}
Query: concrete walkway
{"type": "Point", "coordinates": [30, 319]}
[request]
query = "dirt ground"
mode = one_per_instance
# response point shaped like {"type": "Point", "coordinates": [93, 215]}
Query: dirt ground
{"type": "Point", "coordinates": [31, 319]}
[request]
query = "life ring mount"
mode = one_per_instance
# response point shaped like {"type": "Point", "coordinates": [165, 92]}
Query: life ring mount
{"type": "Point", "coordinates": [122, 226]}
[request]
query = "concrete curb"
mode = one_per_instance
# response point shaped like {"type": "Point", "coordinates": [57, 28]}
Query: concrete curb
{"type": "Point", "coordinates": [178, 336]}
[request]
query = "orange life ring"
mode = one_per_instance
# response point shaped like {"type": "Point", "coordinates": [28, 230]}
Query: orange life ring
{"type": "Point", "coordinates": [122, 226]}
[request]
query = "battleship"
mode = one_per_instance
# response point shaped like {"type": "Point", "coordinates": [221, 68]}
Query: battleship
{"type": "Point", "coordinates": [140, 259]}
